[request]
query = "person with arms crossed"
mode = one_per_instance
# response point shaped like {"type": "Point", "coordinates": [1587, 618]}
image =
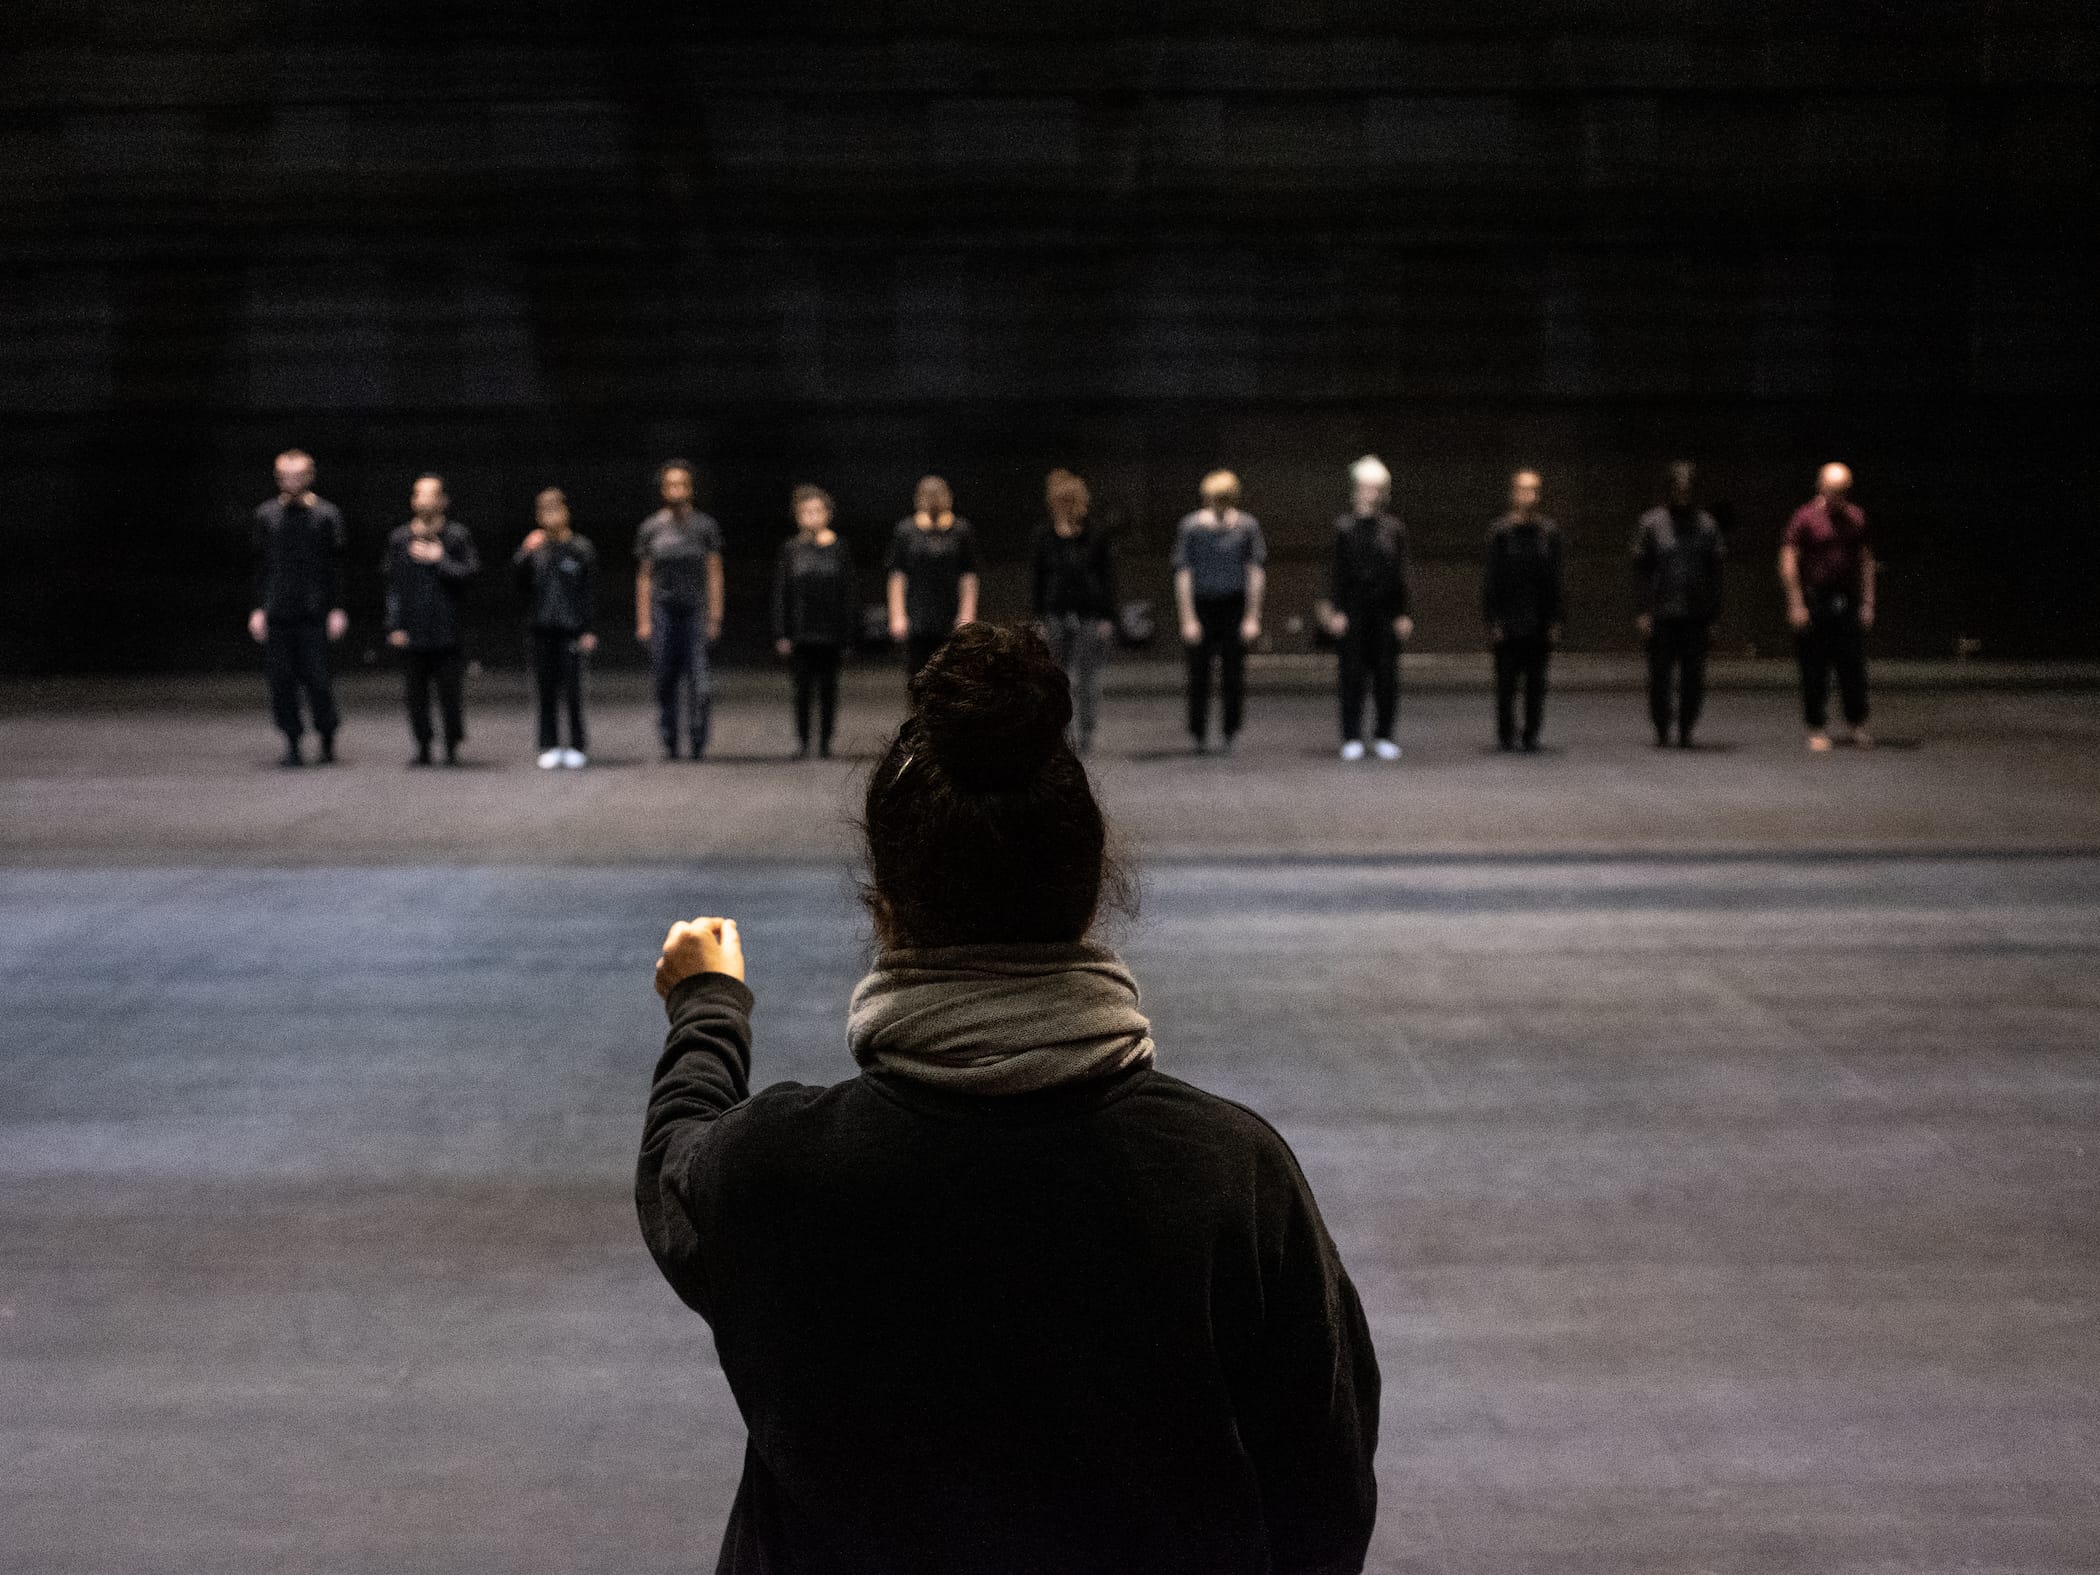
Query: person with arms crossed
{"type": "Point", "coordinates": [557, 570]}
{"type": "Point", "coordinates": [427, 566]}
{"type": "Point", "coordinates": [298, 542]}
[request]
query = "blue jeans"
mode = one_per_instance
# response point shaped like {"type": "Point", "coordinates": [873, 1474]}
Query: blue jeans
{"type": "Point", "coordinates": [678, 659]}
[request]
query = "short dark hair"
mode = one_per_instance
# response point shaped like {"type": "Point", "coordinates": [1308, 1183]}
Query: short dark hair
{"type": "Point", "coordinates": [670, 465]}
{"type": "Point", "coordinates": [980, 823]}
{"type": "Point", "coordinates": [805, 493]}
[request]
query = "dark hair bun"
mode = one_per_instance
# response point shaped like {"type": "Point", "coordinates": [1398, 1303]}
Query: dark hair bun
{"type": "Point", "coordinates": [991, 706]}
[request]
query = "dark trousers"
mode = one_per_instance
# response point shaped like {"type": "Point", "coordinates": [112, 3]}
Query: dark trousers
{"type": "Point", "coordinates": [442, 668]}
{"type": "Point", "coordinates": [1677, 646]}
{"type": "Point", "coordinates": [814, 667]}
{"type": "Point", "coordinates": [1833, 639]}
{"type": "Point", "coordinates": [678, 662]}
{"type": "Point", "coordinates": [1370, 659]}
{"type": "Point", "coordinates": [1219, 617]}
{"type": "Point", "coordinates": [295, 662]}
{"type": "Point", "coordinates": [918, 651]}
{"type": "Point", "coordinates": [1520, 656]}
{"type": "Point", "coordinates": [557, 675]}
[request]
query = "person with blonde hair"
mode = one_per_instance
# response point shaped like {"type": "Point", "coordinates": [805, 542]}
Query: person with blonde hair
{"type": "Point", "coordinates": [1219, 579]}
{"type": "Point", "coordinates": [1075, 594]}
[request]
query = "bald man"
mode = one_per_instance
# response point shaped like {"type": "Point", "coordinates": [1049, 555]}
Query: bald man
{"type": "Point", "coordinates": [1827, 568]}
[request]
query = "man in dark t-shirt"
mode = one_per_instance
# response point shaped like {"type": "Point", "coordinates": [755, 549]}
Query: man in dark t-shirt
{"type": "Point", "coordinates": [297, 541]}
{"type": "Point", "coordinates": [930, 573]}
{"type": "Point", "coordinates": [678, 605]}
{"type": "Point", "coordinates": [1826, 565]}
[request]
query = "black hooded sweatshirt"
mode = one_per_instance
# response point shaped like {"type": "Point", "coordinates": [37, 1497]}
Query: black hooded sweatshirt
{"type": "Point", "coordinates": [1100, 1327]}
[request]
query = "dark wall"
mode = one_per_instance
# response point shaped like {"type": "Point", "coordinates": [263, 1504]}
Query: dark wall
{"type": "Point", "coordinates": [850, 242]}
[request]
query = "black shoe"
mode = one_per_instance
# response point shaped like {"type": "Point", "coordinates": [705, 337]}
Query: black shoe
{"type": "Point", "coordinates": [1684, 741]}
{"type": "Point", "coordinates": [824, 750]}
{"type": "Point", "coordinates": [421, 756]}
{"type": "Point", "coordinates": [802, 750]}
{"type": "Point", "coordinates": [1531, 746]}
{"type": "Point", "coordinates": [291, 759]}
{"type": "Point", "coordinates": [452, 754]}
{"type": "Point", "coordinates": [1226, 747]}
{"type": "Point", "coordinates": [670, 750]}
{"type": "Point", "coordinates": [1662, 740]}
{"type": "Point", "coordinates": [1202, 745]}
{"type": "Point", "coordinates": [1508, 746]}
{"type": "Point", "coordinates": [699, 752]}
{"type": "Point", "coordinates": [328, 749]}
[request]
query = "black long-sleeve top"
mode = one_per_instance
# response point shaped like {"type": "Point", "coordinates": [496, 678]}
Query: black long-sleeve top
{"type": "Point", "coordinates": [1370, 577]}
{"type": "Point", "coordinates": [1096, 1328]}
{"type": "Point", "coordinates": [422, 599]}
{"type": "Point", "coordinates": [1677, 558]}
{"type": "Point", "coordinates": [1074, 574]}
{"type": "Point", "coordinates": [814, 600]}
{"type": "Point", "coordinates": [298, 550]}
{"type": "Point", "coordinates": [1520, 591]}
{"type": "Point", "coordinates": [558, 579]}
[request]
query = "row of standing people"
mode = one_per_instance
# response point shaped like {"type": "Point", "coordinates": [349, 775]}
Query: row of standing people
{"type": "Point", "coordinates": [932, 585]}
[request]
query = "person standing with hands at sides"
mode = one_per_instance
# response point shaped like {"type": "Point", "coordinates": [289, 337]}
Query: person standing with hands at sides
{"type": "Point", "coordinates": [1075, 594]}
{"type": "Point", "coordinates": [557, 570]}
{"type": "Point", "coordinates": [1677, 555]}
{"type": "Point", "coordinates": [1012, 1298]}
{"type": "Point", "coordinates": [1520, 595]}
{"type": "Point", "coordinates": [678, 605]}
{"type": "Point", "coordinates": [427, 566]}
{"type": "Point", "coordinates": [1827, 568]}
{"type": "Point", "coordinates": [1369, 608]}
{"type": "Point", "coordinates": [297, 543]}
{"type": "Point", "coordinates": [816, 613]}
{"type": "Point", "coordinates": [1218, 583]}
{"type": "Point", "coordinates": [932, 574]}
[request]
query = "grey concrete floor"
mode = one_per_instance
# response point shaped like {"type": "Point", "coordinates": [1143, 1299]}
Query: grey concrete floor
{"type": "Point", "coordinates": [1725, 1197]}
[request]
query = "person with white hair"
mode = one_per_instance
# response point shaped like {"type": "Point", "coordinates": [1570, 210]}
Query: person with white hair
{"type": "Point", "coordinates": [1369, 609]}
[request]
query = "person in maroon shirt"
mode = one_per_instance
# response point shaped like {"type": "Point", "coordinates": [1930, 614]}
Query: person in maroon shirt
{"type": "Point", "coordinates": [1827, 567]}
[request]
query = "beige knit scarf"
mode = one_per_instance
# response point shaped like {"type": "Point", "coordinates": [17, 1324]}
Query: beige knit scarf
{"type": "Point", "coordinates": [1006, 1019]}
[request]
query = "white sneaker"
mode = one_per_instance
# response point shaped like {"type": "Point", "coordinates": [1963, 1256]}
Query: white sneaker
{"type": "Point", "coordinates": [1353, 750]}
{"type": "Point", "coordinates": [549, 759]}
{"type": "Point", "coordinates": [572, 758]}
{"type": "Point", "coordinates": [1387, 749]}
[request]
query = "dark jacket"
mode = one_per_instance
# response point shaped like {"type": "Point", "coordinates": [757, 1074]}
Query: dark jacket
{"type": "Point", "coordinates": [1520, 590]}
{"type": "Point", "coordinates": [1370, 578]}
{"type": "Point", "coordinates": [1677, 556]}
{"type": "Point", "coordinates": [557, 581]}
{"type": "Point", "coordinates": [298, 559]}
{"type": "Point", "coordinates": [1095, 1328]}
{"type": "Point", "coordinates": [1074, 574]}
{"type": "Point", "coordinates": [814, 600]}
{"type": "Point", "coordinates": [422, 599]}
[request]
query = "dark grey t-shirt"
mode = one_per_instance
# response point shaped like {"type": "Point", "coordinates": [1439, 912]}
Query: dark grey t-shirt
{"type": "Point", "coordinates": [1218, 557]}
{"type": "Point", "coordinates": [677, 553]}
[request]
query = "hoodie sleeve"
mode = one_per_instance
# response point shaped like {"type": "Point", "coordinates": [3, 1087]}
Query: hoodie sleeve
{"type": "Point", "coordinates": [704, 1072]}
{"type": "Point", "coordinates": [462, 559]}
{"type": "Point", "coordinates": [1309, 1400]}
